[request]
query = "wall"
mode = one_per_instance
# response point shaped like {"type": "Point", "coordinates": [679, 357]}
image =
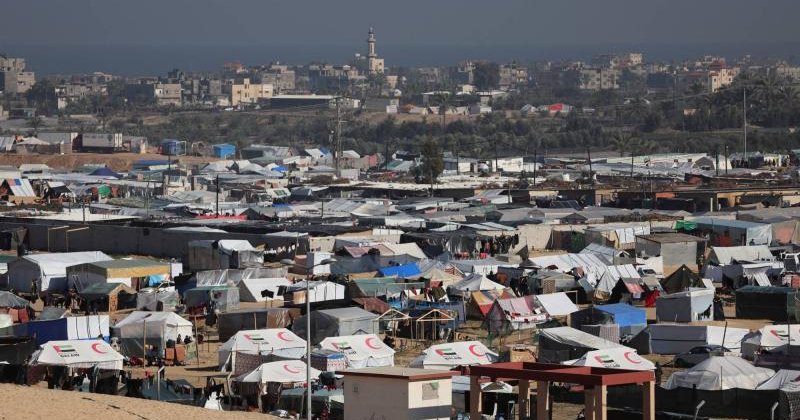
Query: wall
{"type": "Point", "coordinates": [383, 398]}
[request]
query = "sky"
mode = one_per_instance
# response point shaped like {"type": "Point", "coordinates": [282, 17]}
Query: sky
{"type": "Point", "coordinates": [306, 29]}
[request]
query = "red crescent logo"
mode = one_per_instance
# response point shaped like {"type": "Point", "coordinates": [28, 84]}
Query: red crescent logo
{"type": "Point", "coordinates": [369, 344]}
{"type": "Point", "coordinates": [282, 336]}
{"type": "Point", "coordinates": [476, 352]}
{"type": "Point", "coordinates": [440, 352]}
{"type": "Point", "coordinates": [290, 369]}
{"type": "Point", "coordinates": [97, 350]}
{"type": "Point", "coordinates": [628, 357]}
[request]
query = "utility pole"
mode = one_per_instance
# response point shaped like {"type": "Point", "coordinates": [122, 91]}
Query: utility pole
{"type": "Point", "coordinates": [217, 196]}
{"type": "Point", "coordinates": [716, 155]}
{"type": "Point", "coordinates": [744, 118]}
{"type": "Point", "coordinates": [534, 167]}
{"type": "Point", "coordinates": [726, 159]}
{"type": "Point", "coordinates": [338, 136]}
{"type": "Point", "coordinates": [591, 171]}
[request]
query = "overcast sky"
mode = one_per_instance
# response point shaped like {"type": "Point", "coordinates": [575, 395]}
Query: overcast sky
{"type": "Point", "coordinates": [404, 22]}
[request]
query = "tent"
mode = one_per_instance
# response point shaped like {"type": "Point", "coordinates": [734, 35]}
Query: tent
{"type": "Point", "coordinates": [10, 300]}
{"type": "Point", "coordinates": [229, 323]}
{"type": "Point", "coordinates": [726, 232]}
{"type": "Point", "coordinates": [688, 306]}
{"type": "Point", "coordinates": [556, 304]}
{"type": "Point", "coordinates": [516, 313]}
{"type": "Point", "coordinates": [285, 371]}
{"type": "Point", "coordinates": [472, 283]}
{"type": "Point", "coordinates": [630, 319]}
{"type": "Point", "coordinates": [78, 354]}
{"type": "Point", "coordinates": [615, 358]}
{"type": "Point", "coordinates": [273, 342]}
{"type": "Point", "coordinates": [224, 298]}
{"type": "Point", "coordinates": [719, 373]}
{"type": "Point", "coordinates": [223, 254]}
{"type": "Point", "coordinates": [448, 356]}
{"type": "Point", "coordinates": [773, 303]}
{"type": "Point", "coordinates": [780, 379]}
{"type": "Point", "coordinates": [67, 328]}
{"type": "Point", "coordinates": [681, 279]}
{"type": "Point", "coordinates": [155, 299]}
{"type": "Point", "coordinates": [679, 338]}
{"type": "Point", "coordinates": [361, 351]}
{"type": "Point", "coordinates": [319, 291]}
{"type": "Point", "coordinates": [336, 322]}
{"type": "Point", "coordinates": [565, 343]}
{"type": "Point", "coordinates": [770, 337]}
{"type": "Point", "coordinates": [481, 302]}
{"type": "Point", "coordinates": [105, 172]}
{"type": "Point", "coordinates": [251, 290]}
{"type": "Point", "coordinates": [724, 255]}
{"type": "Point", "coordinates": [49, 271]}
{"type": "Point", "coordinates": [154, 327]}
{"type": "Point", "coordinates": [404, 270]}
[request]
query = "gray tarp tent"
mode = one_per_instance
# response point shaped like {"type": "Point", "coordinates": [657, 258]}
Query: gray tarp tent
{"type": "Point", "coordinates": [689, 306]}
{"type": "Point", "coordinates": [337, 322]}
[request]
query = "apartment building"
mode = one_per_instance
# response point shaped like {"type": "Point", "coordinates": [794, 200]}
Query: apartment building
{"type": "Point", "coordinates": [242, 91]}
{"type": "Point", "coordinates": [14, 79]}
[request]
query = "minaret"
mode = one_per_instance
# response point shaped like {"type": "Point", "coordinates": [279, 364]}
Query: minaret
{"type": "Point", "coordinates": [371, 44]}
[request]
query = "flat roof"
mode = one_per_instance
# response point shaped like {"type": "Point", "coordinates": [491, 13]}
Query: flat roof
{"type": "Point", "coordinates": [396, 372]}
{"type": "Point", "coordinates": [666, 238]}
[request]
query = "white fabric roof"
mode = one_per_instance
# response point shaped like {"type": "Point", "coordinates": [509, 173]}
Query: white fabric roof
{"type": "Point", "coordinates": [255, 286]}
{"type": "Point", "coordinates": [263, 341]}
{"type": "Point", "coordinates": [231, 245]}
{"type": "Point", "coordinates": [79, 354]}
{"type": "Point", "coordinates": [473, 283]}
{"type": "Point", "coordinates": [449, 355]}
{"type": "Point", "coordinates": [365, 350]}
{"type": "Point", "coordinates": [727, 254]}
{"type": "Point", "coordinates": [779, 335]}
{"type": "Point", "coordinates": [720, 373]}
{"type": "Point", "coordinates": [55, 265]}
{"type": "Point", "coordinates": [286, 371]}
{"type": "Point", "coordinates": [781, 378]}
{"type": "Point", "coordinates": [578, 338]}
{"type": "Point", "coordinates": [557, 304]}
{"type": "Point", "coordinates": [567, 262]}
{"type": "Point", "coordinates": [616, 358]}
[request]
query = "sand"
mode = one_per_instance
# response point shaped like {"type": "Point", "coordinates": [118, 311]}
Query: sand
{"type": "Point", "coordinates": [21, 403]}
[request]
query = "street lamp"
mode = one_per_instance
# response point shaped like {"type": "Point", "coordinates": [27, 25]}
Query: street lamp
{"type": "Point", "coordinates": [290, 263]}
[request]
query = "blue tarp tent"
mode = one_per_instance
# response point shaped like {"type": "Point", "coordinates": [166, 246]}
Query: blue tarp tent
{"type": "Point", "coordinates": [625, 315]}
{"type": "Point", "coordinates": [105, 172]}
{"type": "Point", "coordinates": [405, 270]}
{"type": "Point", "coordinates": [630, 319]}
{"type": "Point", "coordinates": [70, 328]}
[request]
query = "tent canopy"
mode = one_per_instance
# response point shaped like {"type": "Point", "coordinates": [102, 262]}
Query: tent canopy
{"type": "Point", "coordinates": [79, 354]}
{"type": "Point", "coordinates": [780, 379]}
{"type": "Point", "coordinates": [720, 373]}
{"type": "Point", "coordinates": [615, 358]}
{"type": "Point", "coordinates": [336, 322]}
{"type": "Point", "coordinates": [682, 279]}
{"type": "Point", "coordinates": [285, 371]}
{"type": "Point", "coordinates": [450, 355]}
{"type": "Point", "coordinates": [557, 304]}
{"type": "Point", "coordinates": [472, 283]}
{"type": "Point", "coordinates": [365, 350]}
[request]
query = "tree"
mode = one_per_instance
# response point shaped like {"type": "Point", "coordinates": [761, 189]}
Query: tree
{"type": "Point", "coordinates": [486, 76]}
{"type": "Point", "coordinates": [42, 95]}
{"type": "Point", "coordinates": [432, 163]}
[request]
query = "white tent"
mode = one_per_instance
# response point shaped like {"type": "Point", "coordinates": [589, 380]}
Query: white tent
{"type": "Point", "coordinates": [48, 270]}
{"type": "Point", "coordinates": [780, 379]}
{"type": "Point", "coordinates": [616, 358]}
{"type": "Point", "coordinates": [770, 337]}
{"type": "Point", "coordinates": [720, 373]}
{"type": "Point", "coordinates": [557, 304]}
{"type": "Point", "coordinates": [155, 327]}
{"type": "Point", "coordinates": [473, 283]}
{"type": "Point", "coordinates": [286, 371]}
{"type": "Point", "coordinates": [250, 289]}
{"type": "Point", "coordinates": [451, 355]}
{"type": "Point", "coordinates": [365, 350]}
{"type": "Point", "coordinates": [679, 338]}
{"type": "Point", "coordinates": [279, 342]}
{"type": "Point", "coordinates": [78, 354]}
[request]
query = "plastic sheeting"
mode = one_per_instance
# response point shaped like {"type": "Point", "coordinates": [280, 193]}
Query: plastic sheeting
{"type": "Point", "coordinates": [155, 300]}
{"type": "Point", "coordinates": [154, 327]}
{"type": "Point", "coordinates": [229, 323]}
{"type": "Point", "coordinates": [69, 328]}
{"type": "Point", "coordinates": [473, 283]}
{"type": "Point", "coordinates": [361, 351]}
{"type": "Point", "coordinates": [720, 373]}
{"type": "Point", "coordinates": [556, 304]}
{"type": "Point", "coordinates": [780, 379]}
{"type": "Point", "coordinates": [232, 276]}
{"type": "Point", "coordinates": [564, 343]}
{"type": "Point", "coordinates": [690, 306]}
{"type": "Point", "coordinates": [225, 298]}
{"type": "Point", "coordinates": [336, 322]}
{"type": "Point", "coordinates": [250, 290]}
{"type": "Point", "coordinates": [676, 338]}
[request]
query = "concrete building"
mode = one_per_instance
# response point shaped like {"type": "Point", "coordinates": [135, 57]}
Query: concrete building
{"type": "Point", "coordinates": [13, 77]}
{"type": "Point", "coordinates": [167, 94]}
{"type": "Point", "coordinates": [243, 91]}
{"type": "Point", "coordinates": [599, 79]}
{"type": "Point", "coordinates": [513, 76]}
{"type": "Point", "coordinates": [676, 249]}
{"type": "Point", "coordinates": [394, 393]}
{"type": "Point", "coordinates": [281, 77]}
{"type": "Point", "coordinates": [718, 79]}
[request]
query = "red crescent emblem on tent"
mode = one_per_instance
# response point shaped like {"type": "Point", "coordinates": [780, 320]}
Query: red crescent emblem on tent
{"type": "Point", "coordinates": [369, 344]}
{"type": "Point", "coordinates": [476, 352]}
{"type": "Point", "coordinates": [440, 352]}
{"type": "Point", "coordinates": [290, 369]}
{"type": "Point", "coordinates": [627, 355]}
{"type": "Point", "coordinates": [282, 336]}
{"type": "Point", "coordinates": [96, 349]}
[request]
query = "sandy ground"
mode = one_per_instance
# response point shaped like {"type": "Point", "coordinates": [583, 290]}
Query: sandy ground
{"type": "Point", "coordinates": [20, 403]}
{"type": "Point", "coordinates": [116, 161]}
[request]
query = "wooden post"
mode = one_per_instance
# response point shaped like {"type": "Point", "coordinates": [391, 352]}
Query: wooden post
{"type": "Point", "coordinates": [542, 400]}
{"type": "Point", "coordinates": [600, 403]}
{"type": "Point", "coordinates": [649, 400]}
{"type": "Point", "coordinates": [523, 398]}
{"type": "Point", "coordinates": [588, 398]}
{"type": "Point", "coordinates": [474, 397]}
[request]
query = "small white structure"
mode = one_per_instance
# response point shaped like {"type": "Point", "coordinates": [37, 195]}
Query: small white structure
{"type": "Point", "coordinates": [153, 327]}
{"type": "Point", "coordinates": [277, 342]}
{"type": "Point", "coordinates": [689, 306]}
{"type": "Point", "coordinates": [284, 371]}
{"type": "Point", "coordinates": [556, 304]}
{"type": "Point", "coordinates": [361, 351]}
{"type": "Point", "coordinates": [718, 373]}
{"type": "Point", "coordinates": [319, 291]}
{"type": "Point", "coordinates": [472, 283]}
{"type": "Point", "coordinates": [615, 358]}
{"type": "Point", "coordinates": [49, 271]}
{"type": "Point", "coordinates": [398, 393]}
{"type": "Point", "coordinates": [78, 354]}
{"type": "Point", "coordinates": [451, 355]}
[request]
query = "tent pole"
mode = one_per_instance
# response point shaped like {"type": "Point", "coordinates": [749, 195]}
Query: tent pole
{"type": "Point", "coordinates": [144, 343]}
